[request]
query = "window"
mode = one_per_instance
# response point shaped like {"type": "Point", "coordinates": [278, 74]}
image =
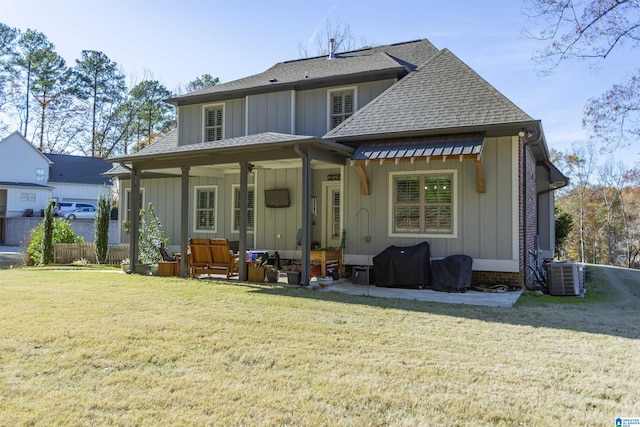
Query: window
{"type": "Point", "coordinates": [206, 199]}
{"type": "Point", "coordinates": [28, 197]}
{"type": "Point", "coordinates": [423, 203]}
{"type": "Point", "coordinates": [127, 203]}
{"type": "Point", "coordinates": [213, 122]}
{"type": "Point", "coordinates": [341, 106]}
{"type": "Point", "coordinates": [335, 214]}
{"type": "Point", "coordinates": [250, 211]}
{"type": "Point", "coordinates": [40, 174]}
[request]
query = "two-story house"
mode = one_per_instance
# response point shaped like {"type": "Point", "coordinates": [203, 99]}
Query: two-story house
{"type": "Point", "coordinates": [392, 145]}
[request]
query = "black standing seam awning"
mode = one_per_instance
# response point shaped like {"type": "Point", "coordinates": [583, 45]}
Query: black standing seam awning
{"type": "Point", "coordinates": [427, 148]}
{"type": "Point", "coordinates": [443, 146]}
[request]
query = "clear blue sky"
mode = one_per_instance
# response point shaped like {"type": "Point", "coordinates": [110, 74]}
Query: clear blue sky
{"type": "Point", "coordinates": [176, 41]}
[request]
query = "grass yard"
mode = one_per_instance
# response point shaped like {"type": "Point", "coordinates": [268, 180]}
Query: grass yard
{"type": "Point", "coordinates": [94, 348]}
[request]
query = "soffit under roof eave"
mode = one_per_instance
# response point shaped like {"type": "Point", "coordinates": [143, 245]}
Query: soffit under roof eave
{"type": "Point", "coordinates": [225, 155]}
{"type": "Point", "coordinates": [396, 73]}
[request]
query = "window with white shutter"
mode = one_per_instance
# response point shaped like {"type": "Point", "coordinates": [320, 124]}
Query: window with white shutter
{"type": "Point", "coordinates": [423, 204]}
{"type": "Point", "coordinates": [205, 210]}
{"type": "Point", "coordinates": [342, 105]}
{"type": "Point", "coordinates": [213, 122]}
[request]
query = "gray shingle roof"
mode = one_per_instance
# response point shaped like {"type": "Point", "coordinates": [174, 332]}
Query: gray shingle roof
{"type": "Point", "coordinates": [22, 184]}
{"type": "Point", "coordinates": [443, 93]}
{"type": "Point", "coordinates": [396, 58]}
{"type": "Point", "coordinates": [169, 144]}
{"type": "Point", "coordinates": [78, 169]}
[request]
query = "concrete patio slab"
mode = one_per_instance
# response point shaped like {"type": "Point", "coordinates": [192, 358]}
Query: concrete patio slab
{"type": "Point", "coordinates": [488, 299]}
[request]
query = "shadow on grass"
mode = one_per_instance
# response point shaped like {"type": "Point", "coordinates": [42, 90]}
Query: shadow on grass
{"type": "Point", "coordinates": [609, 309]}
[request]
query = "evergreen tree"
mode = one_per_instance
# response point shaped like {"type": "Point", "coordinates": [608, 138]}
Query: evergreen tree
{"type": "Point", "coordinates": [101, 229]}
{"type": "Point", "coordinates": [153, 116]}
{"type": "Point", "coordinates": [47, 235]}
{"type": "Point", "coordinates": [49, 83]}
{"type": "Point", "coordinates": [26, 58]}
{"type": "Point", "coordinates": [98, 81]}
{"type": "Point", "coordinates": [202, 82]}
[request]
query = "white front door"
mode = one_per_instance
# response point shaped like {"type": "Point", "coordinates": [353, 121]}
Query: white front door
{"type": "Point", "coordinates": [331, 215]}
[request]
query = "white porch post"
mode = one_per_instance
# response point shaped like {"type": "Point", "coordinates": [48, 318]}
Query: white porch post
{"type": "Point", "coordinates": [184, 222]}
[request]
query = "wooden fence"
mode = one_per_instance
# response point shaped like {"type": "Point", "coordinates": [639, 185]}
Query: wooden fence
{"type": "Point", "coordinates": [66, 253]}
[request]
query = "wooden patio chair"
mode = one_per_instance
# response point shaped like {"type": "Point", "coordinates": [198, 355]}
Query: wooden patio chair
{"type": "Point", "coordinates": [221, 257]}
{"type": "Point", "coordinates": [200, 257]}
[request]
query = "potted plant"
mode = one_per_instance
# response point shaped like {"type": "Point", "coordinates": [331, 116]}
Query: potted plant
{"type": "Point", "coordinates": [294, 276]}
{"type": "Point", "coordinates": [324, 280]}
{"type": "Point", "coordinates": [125, 265]}
{"type": "Point", "coordinates": [150, 238]}
{"type": "Point", "coordinates": [272, 273]}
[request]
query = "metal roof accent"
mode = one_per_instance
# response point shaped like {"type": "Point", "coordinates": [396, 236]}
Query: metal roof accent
{"type": "Point", "coordinates": [445, 145]}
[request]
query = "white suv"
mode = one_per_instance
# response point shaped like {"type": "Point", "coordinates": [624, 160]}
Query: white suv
{"type": "Point", "coordinates": [63, 208]}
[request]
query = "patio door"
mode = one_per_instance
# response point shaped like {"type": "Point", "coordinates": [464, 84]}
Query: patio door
{"type": "Point", "coordinates": [332, 214]}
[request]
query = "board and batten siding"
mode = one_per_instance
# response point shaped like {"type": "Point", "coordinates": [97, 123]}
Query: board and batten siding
{"type": "Point", "coordinates": [164, 194]}
{"type": "Point", "coordinates": [312, 108]}
{"type": "Point", "coordinates": [269, 112]}
{"type": "Point", "coordinates": [485, 221]}
{"type": "Point", "coordinates": [191, 126]}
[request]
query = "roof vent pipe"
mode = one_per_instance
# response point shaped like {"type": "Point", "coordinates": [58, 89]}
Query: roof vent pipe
{"type": "Point", "coordinates": [332, 48]}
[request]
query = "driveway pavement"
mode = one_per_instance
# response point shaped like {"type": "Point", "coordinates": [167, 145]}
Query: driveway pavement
{"type": "Point", "coordinates": [11, 256]}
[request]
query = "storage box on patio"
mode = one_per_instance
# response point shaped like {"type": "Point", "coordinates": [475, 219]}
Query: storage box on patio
{"type": "Point", "coordinates": [168, 268]}
{"type": "Point", "coordinates": [362, 275]}
{"type": "Point", "coordinates": [256, 274]}
{"type": "Point", "coordinates": [403, 266]}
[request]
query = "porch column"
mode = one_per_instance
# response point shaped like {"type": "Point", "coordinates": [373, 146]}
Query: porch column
{"type": "Point", "coordinates": [134, 219]}
{"type": "Point", "coordinates": [244, 206]}
{"type": "Point", "coordinates": [184, 222]}
{"type": "Point", "coordinates": [306, 216]}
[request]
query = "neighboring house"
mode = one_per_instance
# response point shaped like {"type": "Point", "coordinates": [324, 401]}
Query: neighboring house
{"type": "Point", "coordinates": [78, 178]}
{"type": "Point", "coordinates": [29, 179]}
{"type": "Point", "coordinates": [392, 145]}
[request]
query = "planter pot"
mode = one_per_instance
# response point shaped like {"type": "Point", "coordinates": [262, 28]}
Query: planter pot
{"type": "Point", "coordinates": [325, 281]}
{"type": "Point", "coordinates": [294, 277]}
{"type": "Point", "coordinates": [144, 269]}
{"type": "Point", "coordinates": [154, 269]}
{"type": "Point", "coordinates": [273, 275]}
{"type": "Point", "coordinates": [125, 267]}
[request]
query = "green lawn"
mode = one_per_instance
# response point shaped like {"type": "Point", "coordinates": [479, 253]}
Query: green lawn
{"type": "Point", "coordinates": [94, 348]}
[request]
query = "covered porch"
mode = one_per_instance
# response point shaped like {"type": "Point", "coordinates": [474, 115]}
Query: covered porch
{"type": "Point", "coordinates": [239, 157]}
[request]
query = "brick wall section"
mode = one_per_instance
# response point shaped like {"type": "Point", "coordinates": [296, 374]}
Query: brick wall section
{"type": "Point", "coordinates": [532, 204]}
{"type": "Point", "coordinates": [531, 201]}
{"type": "Point", "coordinates": [496, 278]}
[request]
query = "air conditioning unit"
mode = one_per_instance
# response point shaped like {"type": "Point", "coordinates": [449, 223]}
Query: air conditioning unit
{"type": "Point", "coordinates": [565, 278]}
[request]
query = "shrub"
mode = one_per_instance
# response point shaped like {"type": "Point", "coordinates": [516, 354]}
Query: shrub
{"type": "Point", "coordinates": [62, 233]}
{"type": "Point", "coordinates": [101, 230]}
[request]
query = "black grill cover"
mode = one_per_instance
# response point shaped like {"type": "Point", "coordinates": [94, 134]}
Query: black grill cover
{"type": "Point", "coordinates": [403, 266]}
{"type": "Point", "coordinates": [452, 274]}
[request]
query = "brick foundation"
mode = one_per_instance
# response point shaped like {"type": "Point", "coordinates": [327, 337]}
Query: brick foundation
{"type": "Point", "coordinates": [496, 277]}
